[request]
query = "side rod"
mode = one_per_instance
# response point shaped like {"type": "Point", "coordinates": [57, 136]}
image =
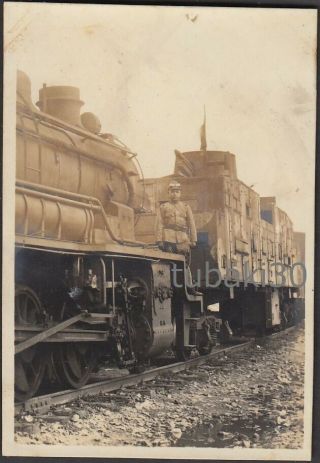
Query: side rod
{"type": "Point", "coordinates": [46, 333]}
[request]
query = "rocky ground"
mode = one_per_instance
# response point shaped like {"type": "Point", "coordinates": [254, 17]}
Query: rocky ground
{"type": "Point", "coordinates": [248, 399]}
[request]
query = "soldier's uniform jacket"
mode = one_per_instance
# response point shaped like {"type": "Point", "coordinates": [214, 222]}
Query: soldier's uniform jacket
{"type": "Point", "coordinates": [175, 224]}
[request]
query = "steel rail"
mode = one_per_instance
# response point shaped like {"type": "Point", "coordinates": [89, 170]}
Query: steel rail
{"type": "Point", "coordinates": [43, 403]}
{"type": "Point", "coordinates": [277, 334]}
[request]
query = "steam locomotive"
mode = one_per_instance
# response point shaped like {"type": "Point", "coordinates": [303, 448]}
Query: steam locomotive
{"type": "Point", "coordinates": [90, 283]}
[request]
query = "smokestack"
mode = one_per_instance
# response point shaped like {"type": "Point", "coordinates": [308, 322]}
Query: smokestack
{"type": "Point", "coordinates": [62, 102]}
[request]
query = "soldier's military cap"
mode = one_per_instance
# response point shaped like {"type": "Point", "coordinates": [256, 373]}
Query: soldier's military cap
{"type": "Point", "coordinates": [174, 186]}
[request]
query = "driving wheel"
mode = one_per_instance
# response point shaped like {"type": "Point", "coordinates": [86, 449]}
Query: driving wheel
{"type": "Point", "coordinates": [30, 364]}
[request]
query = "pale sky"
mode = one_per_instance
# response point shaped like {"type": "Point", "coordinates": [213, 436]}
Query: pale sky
{"type": "Point", "coordinates": [147, 72]}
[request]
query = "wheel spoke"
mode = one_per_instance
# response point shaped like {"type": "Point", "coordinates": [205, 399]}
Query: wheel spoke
{"type": "Point", "coordinates": [27, 355]}
{"type": "Point", "coordinates": [33, 369]}
{"type": "Point", "coordinates": [21, 377]}
{"type": "Point", "coordinates": [18, 309]}
{"type": "Point", "coordinates": [75, 363]}
{"type": "Point", "coordinates": [25, 309]}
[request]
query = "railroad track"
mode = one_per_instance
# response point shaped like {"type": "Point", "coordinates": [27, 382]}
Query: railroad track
{"type": "Point", "coordinates": [42, 404]}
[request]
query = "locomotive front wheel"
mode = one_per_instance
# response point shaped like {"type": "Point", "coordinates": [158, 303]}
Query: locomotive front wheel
{"type": "Point", "coordinates": [30, 364]}
{"type": "Point", "coordinates": [74, 363]}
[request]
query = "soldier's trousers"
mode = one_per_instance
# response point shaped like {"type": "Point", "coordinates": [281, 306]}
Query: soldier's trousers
{"type": "Point", "coordinates": [178, 248]}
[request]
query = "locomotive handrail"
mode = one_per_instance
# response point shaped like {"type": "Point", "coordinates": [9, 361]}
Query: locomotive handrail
{"type": "Point", "coordinates": [194, 298]}
{"type": "Point", "coordinates": [53, 251]}
{"type": "Point", "coordinates": [33, 189]}
{"type": "Point", "coordinates": [59, 191]}
{"type": "Point", "coordinates": [80, 151]}
{"type": "Point", "coordinates": [77, 130]}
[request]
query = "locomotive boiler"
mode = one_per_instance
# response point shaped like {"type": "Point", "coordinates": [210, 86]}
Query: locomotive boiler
{"type": "Point", "coordinates": [86, 288]}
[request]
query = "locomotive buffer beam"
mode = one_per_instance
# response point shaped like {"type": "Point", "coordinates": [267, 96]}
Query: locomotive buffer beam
{"type": "Point", "coordinates": [44, 335]}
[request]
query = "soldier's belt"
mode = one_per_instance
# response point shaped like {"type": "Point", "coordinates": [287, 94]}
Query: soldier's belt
{"type": "Point", "coordinates": [176, 228]}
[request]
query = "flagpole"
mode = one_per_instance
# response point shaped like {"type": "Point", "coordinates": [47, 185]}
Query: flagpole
{"type": "Point", "coordinates": [203, 135]}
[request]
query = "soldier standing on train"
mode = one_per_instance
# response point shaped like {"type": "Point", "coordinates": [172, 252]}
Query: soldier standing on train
{"type": "Point", "coordinates": [176, 230]}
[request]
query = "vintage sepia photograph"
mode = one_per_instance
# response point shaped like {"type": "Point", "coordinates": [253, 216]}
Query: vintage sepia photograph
{"type": "Point", "coordinates": [158, 252]}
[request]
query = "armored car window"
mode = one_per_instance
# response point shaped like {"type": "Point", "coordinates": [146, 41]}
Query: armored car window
{"type": "Point", "coordinates": [267, 216]}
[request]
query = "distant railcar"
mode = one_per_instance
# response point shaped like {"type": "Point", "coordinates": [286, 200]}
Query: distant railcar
{"type": "Point", "coordinates": [248, 259]}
